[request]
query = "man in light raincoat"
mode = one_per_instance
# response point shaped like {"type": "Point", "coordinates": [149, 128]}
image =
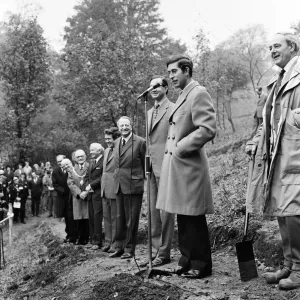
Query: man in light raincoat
{"type": "Point", "coordinates": [274, 183]}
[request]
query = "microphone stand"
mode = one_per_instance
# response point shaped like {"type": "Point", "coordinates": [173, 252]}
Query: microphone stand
{"type": "Point", "coordinates": [151, 272]}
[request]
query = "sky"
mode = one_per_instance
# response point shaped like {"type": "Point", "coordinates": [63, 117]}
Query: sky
{"type": "Point", "coordinates": [218, 18]}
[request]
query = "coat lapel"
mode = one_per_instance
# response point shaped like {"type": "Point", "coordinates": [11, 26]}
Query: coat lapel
{"type": "Point", "coordinates": [182, 97]}
{"type": "Point", "coordinates": [111, 156]}
{"type": "Point", "coordinates": [161, 112]}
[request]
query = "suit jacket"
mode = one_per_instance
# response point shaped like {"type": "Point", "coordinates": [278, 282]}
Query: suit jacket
{"type": "Point", "coordinates": [36, 188]}
{"type": "Point", "coordinates": [185, 186]}
{"type": "Point", "coordinates": [107, 181]}
{"type": "Point", "coordinates": [75, 183]}
{"type": "Point", "coordinates": [130, 166]}
{"type": "Point", "coordinates": [93, 177]}
{"type": "Point", "coordinates": [158, 134]}
{"type": "Point", "coordinates": [59, 181]}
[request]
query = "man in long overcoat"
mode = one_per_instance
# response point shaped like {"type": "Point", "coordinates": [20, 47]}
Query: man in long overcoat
{"type": "Point", "coordinates": [75, 181]}
{"type": "Point", "coordinates": [185, 187]}
{"type": "Point", "coordinates": [273, 187]}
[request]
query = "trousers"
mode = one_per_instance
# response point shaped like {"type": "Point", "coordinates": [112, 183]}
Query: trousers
{"type": "Point", "coordinates": [162, 224]}
{"type": "Point", "coordinates": [289, 230]}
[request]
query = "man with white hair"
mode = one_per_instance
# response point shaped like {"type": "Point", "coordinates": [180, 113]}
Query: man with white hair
{"type": "Point", "coordinates": [59, 181]}
{"type": "Point", "coordinates": [76, 175]}
{"type": "Point", "coordinates": [92, 190]}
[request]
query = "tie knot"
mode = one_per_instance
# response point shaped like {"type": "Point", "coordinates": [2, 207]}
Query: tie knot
{"type": "Point", "coordinates": [156, 105]}
{"type": "Point", "coordinates": [282, 72]}
{"type": "Point", "coordinates": [123, 142]}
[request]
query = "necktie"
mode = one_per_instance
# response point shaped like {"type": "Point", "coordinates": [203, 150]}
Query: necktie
{"type": "Point", "coordinates": [81, 166]}
{"type": "Point", "coordinates": [109, 153]}
{"type": "Point", "coordinates": [155, 111]}
{"type": "Point", "coordinates": [279, 80]}
{"type": "Point", "coordinates": [123, 143]}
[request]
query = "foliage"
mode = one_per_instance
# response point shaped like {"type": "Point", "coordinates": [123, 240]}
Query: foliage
{"type": "Point", "coordinates": [25, 76]}
{"type": "Point", "coordinates": [112, 47]}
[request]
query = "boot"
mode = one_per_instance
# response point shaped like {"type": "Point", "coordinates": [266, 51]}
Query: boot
{"type": "Point", "coordinates": [275, 277]}
{"type": "Point", "coordinates": [290, 283]}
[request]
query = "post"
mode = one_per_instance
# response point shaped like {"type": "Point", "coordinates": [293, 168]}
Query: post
{"type": "Point", "coordinates": [10, 223]}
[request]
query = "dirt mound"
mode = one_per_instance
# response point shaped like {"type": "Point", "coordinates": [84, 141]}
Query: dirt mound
{"type": "Point", "coordinates": [126, 286]}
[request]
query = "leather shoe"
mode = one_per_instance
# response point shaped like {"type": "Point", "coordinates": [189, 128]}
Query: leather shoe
{"type": "Point", "coordinates": [195, 274]}
{"type": "Point", "coordinates": [105, 248]}
{"type": "Point", "coordinates": [160, 261]}
{"type": "Point", "coordinates": [275, 277]}
{"type": "Point", "coordinates": [95, 247]}
{"type": "Point", "coordinates": [180, 270]}
{"type": "Point", "coordinates": [126, 255]}
{"type": "Point", "coordinates": [111, 250]}
{"type": "Point", "coordinates": [290, 283]}
{"type": "Point", "coordinates": [117, 253]}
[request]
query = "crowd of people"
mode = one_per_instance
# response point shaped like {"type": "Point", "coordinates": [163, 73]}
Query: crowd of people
{"type": "Point", "coordinates": [109, 188]}
{"type": "Point", "coordinates": [26, 182]}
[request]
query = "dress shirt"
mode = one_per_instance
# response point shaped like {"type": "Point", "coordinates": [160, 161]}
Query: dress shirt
{"type": "Point", "coordinates": [126, 139]}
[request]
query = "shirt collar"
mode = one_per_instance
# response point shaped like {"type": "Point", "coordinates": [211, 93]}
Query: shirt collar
{"type": "Point", "coordinates": [188, 84]}
{"type": "Point", "coordinates": [161, 102]}
{"type": "Point", "coordinates": [97, 159]}
{"type": "Point", "coordinates": [127, 138]}
{"type": "Point", "coordinates": [290, 63]}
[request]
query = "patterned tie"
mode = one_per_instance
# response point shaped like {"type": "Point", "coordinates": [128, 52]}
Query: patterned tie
{"type": "Point", "coordinates": [109, 153]}
{"type": "Point", "coordinates": [155, 111]}
{"type": "Point", "coordinates": [123, 144]}
{"type": "Point", "coordinates": [279, 80]}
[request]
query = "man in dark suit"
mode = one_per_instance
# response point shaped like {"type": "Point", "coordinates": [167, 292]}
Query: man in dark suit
{"type": "Point", "coordinates": [185, 187]}
{"type": "Point", "coordinates": [92, 186]}
{"type": "Point", "coordinates": [162, 222]}
{"type": "Point", "coordinates": [59, 181]}
{"type": "Point", "coordinates": [36, 187]}
{"type": "Point", "coordinates": [107, 191]}
{"type": "Point", "coordinates": [129, 177]}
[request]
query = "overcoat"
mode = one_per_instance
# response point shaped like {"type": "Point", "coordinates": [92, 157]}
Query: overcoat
{"type": "Point", "coordinates": [129, 173]}
{"type": "Point", "coordinates": [59, 181]}
{"type": "Point", "coordinates": [93, 177]}
{"type": "Point", "coordinates": [75, 181]}
{"type": "Point", "coordinates": [274, 181]}
{"type": "Point", "coordinates": [107, 180]}
{"type": "Point", "coordinates": [185, 186]}
{"type": "Point", "coordinates": [158, 131]}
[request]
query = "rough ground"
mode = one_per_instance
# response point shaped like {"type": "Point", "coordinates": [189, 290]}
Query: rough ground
{"type": "Point", "coordinates": [40, 266]}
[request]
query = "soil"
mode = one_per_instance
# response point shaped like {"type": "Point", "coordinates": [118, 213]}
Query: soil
{"type": "Point", "coordinates": [40, 266]}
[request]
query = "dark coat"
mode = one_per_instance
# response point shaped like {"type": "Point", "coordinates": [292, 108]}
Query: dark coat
{"type": "Point", "coordinates": [36, 188]}
{"type": "Point", "coordinates": [59, 181]}
{"type": "Point", "coordinates": [130, 166]}
{"type": "Point", "coordinates": [93, 178]}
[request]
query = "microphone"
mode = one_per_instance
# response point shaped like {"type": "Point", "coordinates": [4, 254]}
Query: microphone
{"type": "Point", "coordinates": [149, 90]}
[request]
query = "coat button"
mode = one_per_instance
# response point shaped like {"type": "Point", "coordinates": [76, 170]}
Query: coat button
{"type": "Point", "coordinates": [168, 137]}
{"type": "Point", "coordinates": [170, 153]}
{"type": "Point", "coordinates": [171, 123]}
{"type": "Point", "coordinates": [173, 137]}
{"type": "Point", "coordinates": [166, 151]}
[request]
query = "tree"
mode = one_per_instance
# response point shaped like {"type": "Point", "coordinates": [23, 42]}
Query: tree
{"type": "Point", "coordinates": [249, 47]}
{"type": "Point", "coordinates": [104, 64]}
{"type": "Point", "coordinates": [25, 74]}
